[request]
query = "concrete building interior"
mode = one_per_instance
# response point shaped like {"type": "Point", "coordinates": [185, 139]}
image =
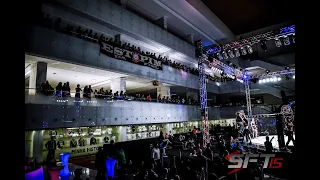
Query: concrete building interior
{"type": "Point", "coordinates": [109, 82]}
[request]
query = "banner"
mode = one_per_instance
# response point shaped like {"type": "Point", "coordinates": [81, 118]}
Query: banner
{"type": "Point", "coordinates": [124, 54]}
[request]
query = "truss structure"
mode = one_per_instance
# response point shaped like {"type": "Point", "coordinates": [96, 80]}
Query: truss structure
{"type": "Point", "coordinates": [286, 31]}
{"type": "Point", "coordinates": [203, 94]}
{"type": "Point", "coordinates": [246, 81]}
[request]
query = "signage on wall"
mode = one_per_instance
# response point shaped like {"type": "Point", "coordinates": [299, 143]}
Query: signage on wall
{"type": "Point", "coordinates": [127, 55]}
{"type": "Point", "coordinates": [84, 150]}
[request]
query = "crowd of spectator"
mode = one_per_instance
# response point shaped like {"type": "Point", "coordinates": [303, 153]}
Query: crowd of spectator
{"type": "Point", "coordinates": [87, 92]}
{"type": "Point", "coordinates": [211, 161]}
{"type": "Point", "coordinates": [89, 35]}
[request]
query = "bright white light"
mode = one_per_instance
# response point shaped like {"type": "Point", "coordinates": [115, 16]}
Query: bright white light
{"type": "Point", "coordinates": [294, 76]}
{"type": "Point", "coordinates": [263, 81]}
{"type": "Point", "coordinates": [278, 79]}
{"type": "Point", "coordinates": [275, 79]}
{"type": "Point", "coordinates": [267, 80]}
{"type": "Point", "coordinates": [217, 83]}
{"type": "Point", "coordinates": [260, 81]}
{"type": "Point", "coordinates": [27, 73]}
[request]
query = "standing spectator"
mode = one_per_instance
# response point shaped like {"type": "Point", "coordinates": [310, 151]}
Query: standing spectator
{"type": "Point", "coordinates": [78, 90]}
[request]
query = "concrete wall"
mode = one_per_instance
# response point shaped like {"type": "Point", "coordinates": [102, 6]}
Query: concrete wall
{"type": "Point", "coordinates": [119, 18]}
{"type": "Point", "coordinates": [44, 112]}
{"type": "Point", "coordinates": [48, 43]}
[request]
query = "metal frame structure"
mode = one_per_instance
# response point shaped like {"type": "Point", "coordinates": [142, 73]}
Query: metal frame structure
{"type": "Point", "coordinates": [246, 81]}
{"type": "Point", "coordinates": [203, 93]}
{"type": "Point", "coordinates": [271, 35]}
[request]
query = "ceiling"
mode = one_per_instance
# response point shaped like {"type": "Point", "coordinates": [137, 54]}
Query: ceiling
{"type": "Point", "coordinates": [249, 15]}
{"type": "Point", "coordinates": [76, 74]}
{"type": "Point", "coordinates": [183, 18]}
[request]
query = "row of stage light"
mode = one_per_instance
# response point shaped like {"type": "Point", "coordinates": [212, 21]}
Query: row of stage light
{"type": "Point", "coordinates": [274, 79]}
{"type": "Point", "coordinates": [284, 36]}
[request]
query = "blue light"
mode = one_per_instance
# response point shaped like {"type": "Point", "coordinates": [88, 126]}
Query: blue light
{"type": "Point", "coordinates": [64, 161]}
{"type": "Point", "coordinates": [288, 30]}
{"type": "Point", "coordinates": [214, 50]}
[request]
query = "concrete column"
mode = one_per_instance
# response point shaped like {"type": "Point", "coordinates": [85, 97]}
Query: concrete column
{"type": "Point", "coordinates": [38, 75]}
{"type": "Point", "coordinates": [163, 22]}
{"type": "Point", "coordinates": [163, 91]}
{"type": "Point", "coordinates": [193, 95]}
{"type": "Point", "coordinates": [118, 85]}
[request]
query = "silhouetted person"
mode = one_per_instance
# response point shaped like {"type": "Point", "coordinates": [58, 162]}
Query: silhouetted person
{"type": "Point", "coordinates": [268, 144]}
{"type": "Point", "coordinates": [289, 133]}
{"type": "Point", "coordinates": [68, 89]}
{"type": "Point", "coordinates": [64, 89]}
{"type": "Point", "coordinates": [78, 90]}
{"type": "Point", "coordinates": [100, 162]}
{"type": "Point", "coordinates": [112, 150]}
{"type": "Point", "coordinates": [89, 91]}
{"type": "Point", "coordinates": [51, 146]}
{"type": "Point", "coordinates": [59, 89]}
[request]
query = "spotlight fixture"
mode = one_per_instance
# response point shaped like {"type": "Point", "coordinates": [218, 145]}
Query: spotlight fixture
{"type": "Point", "coordinates": [263, 44]}
{"type": "Point", "coordinates": [250, 50]}
{"type": "Point", "coordinates": [267, 71]}
{"type": "Point", "coordinates": [220, 57]}
{"type": "Point", "coordinates": [230, 52]}
{"type": "Point", "coordinates": [294, 76]}
{"type": "Point", "coordinates": [243, 51]}
{"type": "Point", "coordinates": [287, 68]}
{"type": "Point", "coordinates": [293, 38]}
{"type": "Point", "coordinates": [236, 52]}
{"type": "Point", "coordinates": [278, 42]}
{"type": "Point", "coordinates": [286, 40]}
{"type": "Point", "coordinates": [271, 79]}
{"type": "Point", "coordinates": [228, 63]}
{"type": "Point", "coordinates": [225, 55]}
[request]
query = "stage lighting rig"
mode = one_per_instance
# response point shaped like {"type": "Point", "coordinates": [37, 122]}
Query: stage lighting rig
{"type": "Point", "coordinates": [236, 52]}
{"type": "Point", "coordinates": [243, 51]}
{"type": "Point", "coordinates": [287, 68]}
{"type": "Point", "coordinates": [225, 55]}
{"type": "Point", "coordinates": [231, 55]}
{"type": "Point", "coordinates": [267, 71]}
{"type": "Point", "coordinates": [250, 50]}
{"type": "Point", "coordinates": [286, 40]}
{"type": "Point", "coordinates": [277, 42]}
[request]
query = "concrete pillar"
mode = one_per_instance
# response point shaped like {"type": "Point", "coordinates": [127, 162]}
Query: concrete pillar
{"type": "Point", "coordinates": [193, 95]}
{"type": "Point", "coordinates": [118, 85]}
{"type": "Point", "coordinates": [163, 22]}
{"type": "Point", "coordinates": [38, 75]}
{"type": "Point", "coordinates": [163, 91]}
